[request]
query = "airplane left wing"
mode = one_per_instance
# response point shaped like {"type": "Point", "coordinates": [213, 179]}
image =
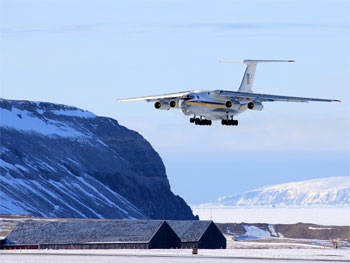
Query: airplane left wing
{"type": "Point", "coordinates": [159, 97]}
{"type": "Point", "coordinates": [247, 96]}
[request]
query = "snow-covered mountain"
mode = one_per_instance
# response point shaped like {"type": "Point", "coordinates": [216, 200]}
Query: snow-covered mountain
{"type": "Point", "coordinates": [61, 161]}
{"type": "Point", "coordinates": [325, 191]}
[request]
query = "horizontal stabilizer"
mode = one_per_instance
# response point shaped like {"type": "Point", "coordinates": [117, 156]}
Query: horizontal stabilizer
{"type": "Point", "coordinates": [254, 61]}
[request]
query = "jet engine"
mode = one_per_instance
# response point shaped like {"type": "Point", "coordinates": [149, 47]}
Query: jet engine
{"type": "Point", "coordinates": [172, 103]}
{"type": "Point", "coordinates": [162, 105]}
{"type": "Point", "coordinates": [233, 104]}
{"type": "Point", "coordinates": [254, 105]}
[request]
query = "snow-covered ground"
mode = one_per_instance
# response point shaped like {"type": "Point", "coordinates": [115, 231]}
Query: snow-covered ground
{"type": "Point", "coordinates": [328, 215]}
{"type": "Point", "coordinates": [180, 255]}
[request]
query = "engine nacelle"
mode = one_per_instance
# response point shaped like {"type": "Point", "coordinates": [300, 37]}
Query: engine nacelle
{"type": "Point", "coordinates": [233, 104]}
{"type": "Point", "coordinates": [254, 105]}
{"type": "Point", "coordinates": [172, 103]}
{"type": "Point", "coordinates": [161, 105]}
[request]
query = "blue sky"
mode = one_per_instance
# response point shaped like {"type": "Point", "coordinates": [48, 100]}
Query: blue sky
{"type": "Point", "coordinates": [89, 53]}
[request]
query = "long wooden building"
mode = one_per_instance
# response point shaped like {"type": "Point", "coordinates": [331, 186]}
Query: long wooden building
{"type": "Point", "coordinates": [113, 234]}
{"type": "Point", "coordinates": [93, 234]}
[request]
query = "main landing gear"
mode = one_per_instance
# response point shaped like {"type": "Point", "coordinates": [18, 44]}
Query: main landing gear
{"type": "Point", "coordinates": [199, 121]}
{"type": "Point", "coordinates": [230, 122]}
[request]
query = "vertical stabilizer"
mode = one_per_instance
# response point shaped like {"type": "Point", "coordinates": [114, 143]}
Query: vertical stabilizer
{"type": "Point", "coordinates": [248, 77]}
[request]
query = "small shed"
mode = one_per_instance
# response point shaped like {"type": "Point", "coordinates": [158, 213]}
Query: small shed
{"type": "Point", "coordinates": [93, 234]}
{"type": "Point", "coordinates": [198, 234]}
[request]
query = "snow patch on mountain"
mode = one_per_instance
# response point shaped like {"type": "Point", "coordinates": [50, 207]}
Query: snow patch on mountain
{"type": "Point", "coordinates": [325, 191]}
{"type": "Point", "coordinates": [38, 121]}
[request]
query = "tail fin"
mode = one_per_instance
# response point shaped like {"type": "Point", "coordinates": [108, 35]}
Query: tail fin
{"type": "Point", "coordinates": [248, 77]}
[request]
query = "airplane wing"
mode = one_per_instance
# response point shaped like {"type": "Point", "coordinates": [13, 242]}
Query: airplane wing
{"type": "Point", "coordinates": [159, 97]}
{"type": "Point", "coordinates": [247, 96]}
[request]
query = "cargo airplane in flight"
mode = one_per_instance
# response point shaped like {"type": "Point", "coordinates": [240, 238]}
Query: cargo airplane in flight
{"type": "Point", "coordinates": [209, 105]}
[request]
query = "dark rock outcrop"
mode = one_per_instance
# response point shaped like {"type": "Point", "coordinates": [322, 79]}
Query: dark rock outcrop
{"type": "Point", "coordinates": [61, 161]}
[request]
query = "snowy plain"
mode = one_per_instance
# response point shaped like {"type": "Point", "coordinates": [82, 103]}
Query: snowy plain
{"type": "Point", "coordinates": [178, 255]}
{"type": "Point", "coordinates": [322, 215]}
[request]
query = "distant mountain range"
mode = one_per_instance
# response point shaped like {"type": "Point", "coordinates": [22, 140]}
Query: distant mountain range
{"type": "Point", "coordinates": [61, 161]}
{"type": "Point", "coordinates": [325, 191]}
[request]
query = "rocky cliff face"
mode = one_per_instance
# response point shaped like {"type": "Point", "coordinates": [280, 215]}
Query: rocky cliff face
{"type": "Point", "coordinates": [60, 161]}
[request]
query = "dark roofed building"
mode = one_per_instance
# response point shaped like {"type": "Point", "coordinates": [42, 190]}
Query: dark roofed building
{"type": "Point", "coordinates": [198, 234]}
{"type": "Point", "coordinates": [93, 234]}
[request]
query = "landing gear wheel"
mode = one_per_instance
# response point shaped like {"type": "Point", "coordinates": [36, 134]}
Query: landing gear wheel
{"type": "Point", "coordinates": [229, 122]}
{"type": "Point", "coordinates": [201, 122]}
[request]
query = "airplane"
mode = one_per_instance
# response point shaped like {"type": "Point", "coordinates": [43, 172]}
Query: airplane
{"type": "Point", "coordinates": [209, 105]}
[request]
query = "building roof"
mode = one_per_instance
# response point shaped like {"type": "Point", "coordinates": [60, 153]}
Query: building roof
{"type": "Point", "coordinates": [83, 231]}
{"type": "Point", "coordinates": [189, 230]}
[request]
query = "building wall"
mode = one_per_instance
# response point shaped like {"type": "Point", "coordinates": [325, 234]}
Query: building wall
{"type": "Point", "coordinates": [189, 245]}
{"type": "Point", "coordinates": [212, 238]}
{"type": "Point", "coordinates": [165, 237]}
{"type": "Point", "coordinates": [96, 246]}
{"type": "Point", "coordinates": [2, 243]}
{"type": "Point", "coordinates": [14, 247]}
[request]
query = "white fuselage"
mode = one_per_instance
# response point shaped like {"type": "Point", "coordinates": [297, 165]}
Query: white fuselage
{"type": "Point", "coordinates": [210, 105]}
